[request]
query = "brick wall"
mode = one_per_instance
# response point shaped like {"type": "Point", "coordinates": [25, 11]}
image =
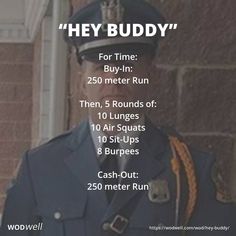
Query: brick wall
{"type": "Point", "coordinates": [15, 108]}
{"type": "Point", "coordinates": [194, 73]}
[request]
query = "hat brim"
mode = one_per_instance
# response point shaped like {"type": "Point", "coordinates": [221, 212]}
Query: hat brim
{"type": "Point", "coordinates": [135, 47]}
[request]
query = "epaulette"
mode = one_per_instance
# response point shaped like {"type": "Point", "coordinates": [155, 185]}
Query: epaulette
{"type": "Point", "coordinates": [37, 149]}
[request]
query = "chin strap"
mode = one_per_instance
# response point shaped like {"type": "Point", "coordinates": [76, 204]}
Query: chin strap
{"type": "Point", "coordinates": [182, 156]}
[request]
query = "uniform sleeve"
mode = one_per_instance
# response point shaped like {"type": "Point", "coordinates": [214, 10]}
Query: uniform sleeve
{"type": "Point", "coordinates": [20, 204]}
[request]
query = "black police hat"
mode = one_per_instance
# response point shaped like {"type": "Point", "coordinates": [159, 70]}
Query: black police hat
{"type": "Point", "coordinates": [114, 11]}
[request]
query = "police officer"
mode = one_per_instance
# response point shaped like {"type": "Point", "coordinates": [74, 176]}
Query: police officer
{"type": "Point", "coordinates": [60, 186]}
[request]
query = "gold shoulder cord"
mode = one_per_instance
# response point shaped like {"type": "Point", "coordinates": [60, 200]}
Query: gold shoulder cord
{"type": "Point", "coordinates": [182, 155]}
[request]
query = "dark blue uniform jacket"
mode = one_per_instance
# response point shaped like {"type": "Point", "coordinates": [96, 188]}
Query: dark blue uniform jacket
{"type": "Point", "coordinates": [52, 183]}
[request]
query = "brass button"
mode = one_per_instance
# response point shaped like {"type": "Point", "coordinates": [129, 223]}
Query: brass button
{"type": "Point", "coordinates": [57, 215]}
{"type": "Point", "coordinates": [106, 226]}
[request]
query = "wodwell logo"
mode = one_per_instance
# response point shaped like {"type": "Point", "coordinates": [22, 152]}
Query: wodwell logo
{"type": "Point", "coordinates": [21, 227]}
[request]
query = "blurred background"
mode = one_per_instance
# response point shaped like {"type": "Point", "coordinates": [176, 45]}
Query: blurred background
{"type": "Point", "coordinates": [194, 74]}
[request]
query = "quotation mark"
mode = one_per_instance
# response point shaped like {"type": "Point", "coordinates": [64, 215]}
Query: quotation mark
{"type": "Point", "coordinates": [63, 26]}
{"type": "Point", "coordinates": [173, 26]}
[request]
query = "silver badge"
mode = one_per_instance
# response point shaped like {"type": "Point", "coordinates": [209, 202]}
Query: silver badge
{"type": "Point", "coordinates": [158, 191]}
{"type": "Point", "coordinates": [112, 12]}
